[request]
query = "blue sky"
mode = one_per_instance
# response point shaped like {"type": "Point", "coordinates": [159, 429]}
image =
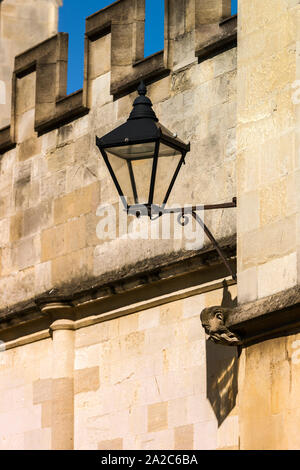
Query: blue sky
{"type": "Point", "coordinates": [72, 20]}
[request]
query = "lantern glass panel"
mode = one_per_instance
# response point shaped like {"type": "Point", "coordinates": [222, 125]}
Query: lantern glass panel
{"type": "Point", "coordinates": [142, 170]}
{"type": "Point", "coordinates": [168, 161]}
{"type": "Point", "coordinates": [121, 171]}
{"type": "Point", "coordinates": [144, 150]}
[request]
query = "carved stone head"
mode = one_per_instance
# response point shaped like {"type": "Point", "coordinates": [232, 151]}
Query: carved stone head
{"type": "Point", "coordinates": [213, 320]}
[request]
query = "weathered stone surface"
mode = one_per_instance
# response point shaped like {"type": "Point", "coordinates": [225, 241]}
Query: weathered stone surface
{"type": "Point", "coordinates": [132, 368]}
{"type": "Point", "coordinates": [86, 380]}
{"type": "Point", "coordinates": [45, 14]}
{"type": "Point", "coordinates": [184, 437]}
{"type": "Point", "coordinates": [157, 417]}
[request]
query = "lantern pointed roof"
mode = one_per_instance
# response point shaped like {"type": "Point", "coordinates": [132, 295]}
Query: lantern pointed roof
{"type": "Point", "coordinates": [141, 126]}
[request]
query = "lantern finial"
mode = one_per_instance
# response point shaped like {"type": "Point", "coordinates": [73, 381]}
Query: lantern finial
{"type": "Point", "coordinates": [142, 90]}
{"type": "Point", "coordinates": [142, 106]}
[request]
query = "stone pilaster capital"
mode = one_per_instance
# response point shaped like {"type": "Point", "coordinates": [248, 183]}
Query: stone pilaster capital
{"type": "Point", "coordinates": [62, 325]}
{"type": "Point", "coordinates": [61, 314]}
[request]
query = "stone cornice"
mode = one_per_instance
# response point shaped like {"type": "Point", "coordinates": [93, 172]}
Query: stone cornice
{"type": "Point", "coordinates": [130, 280]}
{"type": "Point", "coordinates": [266, 318]}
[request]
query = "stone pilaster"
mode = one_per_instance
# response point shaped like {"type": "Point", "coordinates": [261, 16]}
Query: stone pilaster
{"type": "Point", "coordinates": [268, 154]}
{"type": "Point", "coordinates": [62, 420]}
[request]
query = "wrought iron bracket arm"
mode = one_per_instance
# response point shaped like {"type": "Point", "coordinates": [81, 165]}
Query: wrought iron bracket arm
{"type": "Point", "coordinates": [184, 212]}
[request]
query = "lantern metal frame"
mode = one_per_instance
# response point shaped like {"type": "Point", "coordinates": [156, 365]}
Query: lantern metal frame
{"type": "Point", "coordinates": [142, 127]}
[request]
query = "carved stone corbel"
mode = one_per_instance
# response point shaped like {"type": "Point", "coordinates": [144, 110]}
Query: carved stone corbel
{"type": "Point", "coordinates": [213, 320]}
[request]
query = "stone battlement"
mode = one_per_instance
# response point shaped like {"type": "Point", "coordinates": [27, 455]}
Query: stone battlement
{"type": "Point", "coordinates": [114, 41]}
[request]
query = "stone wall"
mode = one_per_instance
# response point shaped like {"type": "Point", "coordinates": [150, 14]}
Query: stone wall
{"type": "Point", "coordinates": [148, 380]}
{"type": "Point", "coordinates": [269, 405]}
{"type": "Point", "coordinates": [33, 21]}
{"type": "Point", "coordinates": [268, 220]}
{"type": "Point", "coordinates": [268, 155]}
{"type": "Point", "coordinates": [53, 180]}
{"type": "Point", "coordinates": [25, 408]}
{"type": "Point", "coordinates": [108, 331]}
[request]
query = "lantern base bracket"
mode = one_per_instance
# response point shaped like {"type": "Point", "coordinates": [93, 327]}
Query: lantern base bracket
{"type": "Point", "coordinates": [154, 212]}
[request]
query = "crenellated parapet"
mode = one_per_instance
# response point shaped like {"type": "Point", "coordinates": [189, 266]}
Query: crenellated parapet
{"type": "Point", "coordinates": [114, 42]}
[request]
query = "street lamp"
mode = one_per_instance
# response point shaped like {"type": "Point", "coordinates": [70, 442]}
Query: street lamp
{"type": "Point", "coordinates": [144, 159]}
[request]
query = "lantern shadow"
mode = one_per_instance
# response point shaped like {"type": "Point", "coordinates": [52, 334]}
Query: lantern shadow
{"type": "Point", "coordinates": [222, 371]}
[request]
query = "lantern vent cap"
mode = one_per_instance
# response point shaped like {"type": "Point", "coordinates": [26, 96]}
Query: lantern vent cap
{"type": "Point", "coordinates": [142, 106]}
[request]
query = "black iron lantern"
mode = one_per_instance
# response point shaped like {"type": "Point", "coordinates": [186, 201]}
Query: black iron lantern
{"type": "Point", "coordinates": [143, 158]}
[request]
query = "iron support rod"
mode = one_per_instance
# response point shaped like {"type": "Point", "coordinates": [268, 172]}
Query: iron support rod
{"type": "Point", "coordinates": [215, 243]}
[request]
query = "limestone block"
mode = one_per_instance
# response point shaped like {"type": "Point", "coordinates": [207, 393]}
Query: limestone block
{"type": "Point", "coordinates": [27, 252]}
{"type": "Point", "coordinates": [86, 380]}
{"type": "Point", "coordinates": [149, 318]}
{"type": "Point", "coordinates": [160, 91]}
{"type": "Point", "coordinates": [75, 235]}
{"type": "Point", "coordinates": [171, 312]}
{"type": "Point", "coordinates": [192, 306]}
{"type": "Point", "coordinates": [23, 420]}
{"type": "Point", "coordinates": [248, 285]}
{"type": "Point", "coordinates": [37, 218]}
{"type": "Point", "coordinates": [100, 90]}
{"type": "Point", "coordinates": [29, 148]}
{"type": "Point", "coordinates": [25, 126]}
{"type": "Point", "coordinates": [53, 185]}
{"type": "Point", "coordinates": [177, 412]}
{"type": "Point", "coordinates": [205, 435]}
{"type": "Point", "coordinates": [43, 281]}
{"type": "Point", "coordinates": [4, 232]}
{"type": "Point", "coordinates": [128, 324]}
{"type": "Point", "coordinates": [184, 437]}
{"type": "Point", "coordinates": [97, 333]}
{"type": "Point", "coordinates": [157, 417]}
{"type": "Point", "coordinates": [49, 141]}
{"type": "Point", "coordinates": [281, 237]}
{"type": "Point", "coordinates": [60, 158]}
{"type": "Point", "coordinates": [25, 93]}
{"type": "Point", "coordinates": [273, 202]}
{"type": "Point", "coordinates": [101, 47]}
{"type": "Point", "coordinates": [172, 386]}
{"type": "Point", "coordinates": [39, 439]}
{"type": "Point", "coordinates": [160, 440]}
{"type": "Point", "coordinates": [249, 211]}
{"type": "Point", "coordinates": [280, 388]}
{"type": "Point", "coordinates": [53, 243]}
{"type": "Point", "coordinates": [114, 444]}
{"type": "Point", "coordinates": [133, 343]}
{"type": "Point", "coordinates": [62, 414]}
{"type": "Point", "coordinates": [77, 203]}
{"type": "Point", "coordinates": [158, 339]}
{"type": "Point", "coordinates": [87, 357]}
{"type": "Point", "coordinates": [199, 409]}
{"type": "Point", "coordinates": [138, 420]}
{"type": "Point", "coordinates": [277, 275]}
{"type": "Point", "coordinates": [42, 391]}
{"type": "Point", "coordinates": [269, 433]}
{"type": "Point", "coordinates": [213, 297]}
{"type": "Point", "coordinates": [76, 265]}
{"type": "Point", "coordinates": [228, 433]}
{"type": "Point", "coordinates": [12, 442]}
{"type": "Point", "coordinates": [17, 289]}
{"type": "Point", "coordinates": [150, 392]}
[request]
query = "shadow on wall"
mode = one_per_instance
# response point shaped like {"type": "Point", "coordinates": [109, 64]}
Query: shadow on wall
{"type": "Point", "coordinates": [222, 371]}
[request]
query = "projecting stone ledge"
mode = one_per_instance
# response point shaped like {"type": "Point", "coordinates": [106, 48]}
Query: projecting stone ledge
{"type": "Point", "coordinates": [215, 38]}
{"type": "Point", "coordinates": [139, 278]}
{"type": "Point", "coordinates": [272, 316]}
